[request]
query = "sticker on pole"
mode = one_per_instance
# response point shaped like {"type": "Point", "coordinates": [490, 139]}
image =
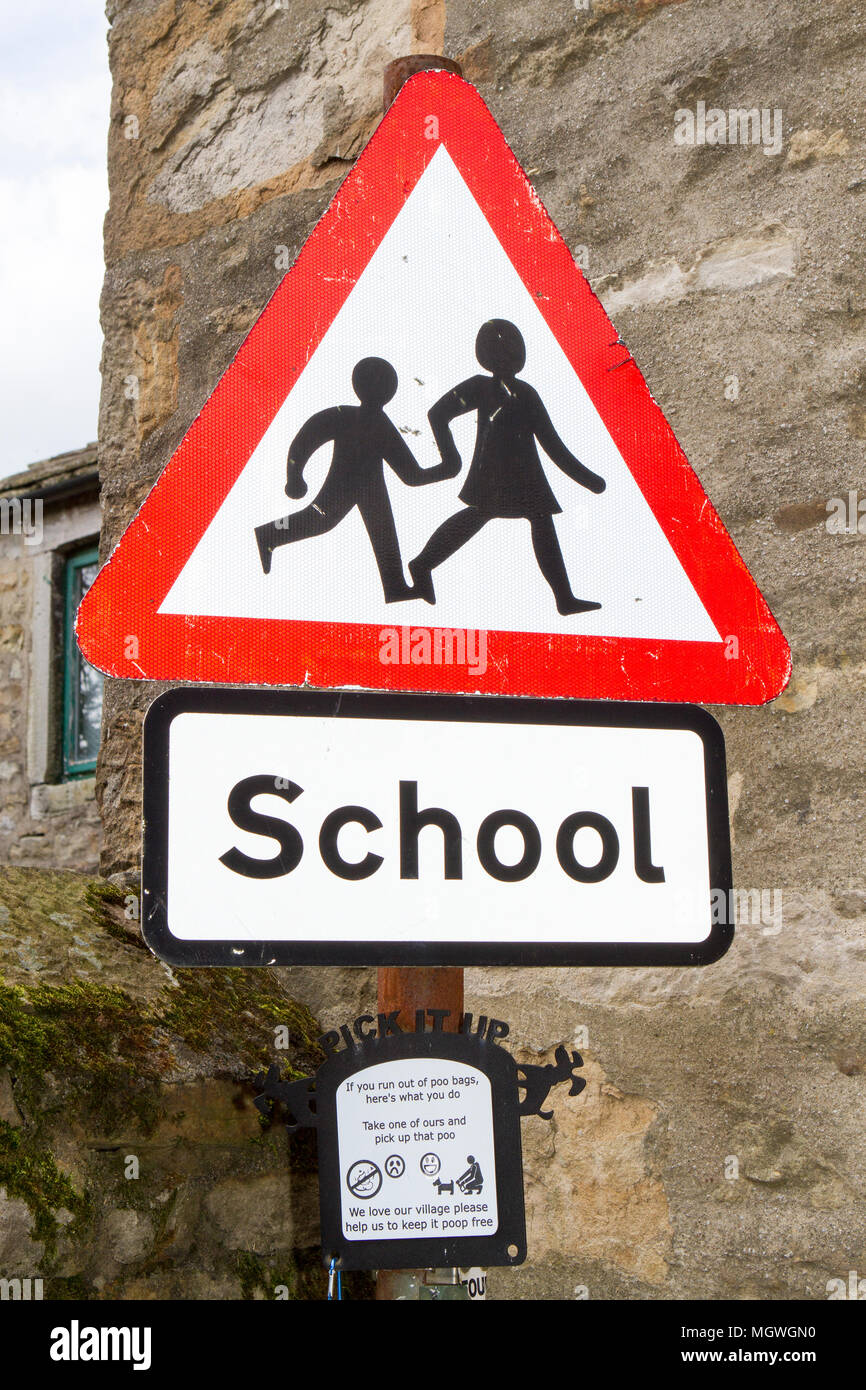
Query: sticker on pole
{"type": "Point", "coordinates": [415, 1157]}
{"type": "Point", "coordinates": [419, 1153]}
{"type": "Point", "coordinates": [433, 466]}
{"type": "Point", "coordinates": [288, 828]}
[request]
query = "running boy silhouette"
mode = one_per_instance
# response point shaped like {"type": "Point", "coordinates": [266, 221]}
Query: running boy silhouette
{"type": "Point", "coordinates": [505, 478]}
{"type": "Point", "coordinates": [364, 440]}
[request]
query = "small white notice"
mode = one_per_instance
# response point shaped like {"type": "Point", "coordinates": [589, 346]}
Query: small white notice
{"type": "Point", "coordinates": [416, 1151]}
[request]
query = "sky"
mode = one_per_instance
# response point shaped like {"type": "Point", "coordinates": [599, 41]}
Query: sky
{"type": "Point", "coordinates": [54, 108]}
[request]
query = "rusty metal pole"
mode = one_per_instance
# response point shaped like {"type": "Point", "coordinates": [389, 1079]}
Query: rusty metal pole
{"type": "Point", "coordinates": [402, 69]}
{"type": "Point", "coordinates": [409, 988]}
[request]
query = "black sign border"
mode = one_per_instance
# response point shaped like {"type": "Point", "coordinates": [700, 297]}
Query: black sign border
{"type": "Point", "coordinates": [488, 709]}
{"type": "Point", "coordinates": [428, 1252]}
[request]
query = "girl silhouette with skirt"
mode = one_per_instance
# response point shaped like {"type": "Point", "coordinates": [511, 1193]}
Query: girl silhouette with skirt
{"type": "Point", "coordinates": [505, 478]}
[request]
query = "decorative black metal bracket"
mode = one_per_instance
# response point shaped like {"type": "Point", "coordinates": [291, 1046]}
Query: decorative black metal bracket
{"type": "Point", "coordinates": [297, 1099]}
{"type": "Point", "coordinates": [366, 1139]}
{"type": "Point", "coordinates": [537, 1082]}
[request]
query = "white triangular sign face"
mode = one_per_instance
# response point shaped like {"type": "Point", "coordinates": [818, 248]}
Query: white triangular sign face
{"type": "Point", "coordinates": [419, 304]}
{"type": "Point", "coordinates": [544, 503]}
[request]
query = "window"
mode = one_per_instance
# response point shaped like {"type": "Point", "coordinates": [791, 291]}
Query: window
{"type": "Point", "coordinates": [82, 683]}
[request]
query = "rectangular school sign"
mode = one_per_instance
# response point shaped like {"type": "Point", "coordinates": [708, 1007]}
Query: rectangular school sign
{"type": "Point", "coordinates": [309, 828]}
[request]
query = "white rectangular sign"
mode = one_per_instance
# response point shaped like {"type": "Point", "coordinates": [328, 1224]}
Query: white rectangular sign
{"type": "Point", "coordinates": [416, 1151]}
{"type": "Point", "coordinates": [290, 828]}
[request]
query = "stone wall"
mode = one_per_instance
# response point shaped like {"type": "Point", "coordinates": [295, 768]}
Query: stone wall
{"type": "Point", "coordinates": [735, 272]}
{"type": "Point", "coordinates": [133, 1162]}
{"type": "Point", "coordinates": [43, 820]}
{"type": "Point", "coordinates": [14, 621]}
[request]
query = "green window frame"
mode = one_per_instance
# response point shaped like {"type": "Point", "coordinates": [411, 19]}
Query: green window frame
{"type": "Point", "coordinates": [82, 683]}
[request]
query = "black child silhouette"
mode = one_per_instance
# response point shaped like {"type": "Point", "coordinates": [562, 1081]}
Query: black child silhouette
{"type": "Point", "coordinates": [505, 478]}
{"type": "Point", "coordinates": [364, 440]}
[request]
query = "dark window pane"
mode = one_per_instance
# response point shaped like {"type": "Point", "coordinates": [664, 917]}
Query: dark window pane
{"type": "Point", "coordinates": [83, 681]}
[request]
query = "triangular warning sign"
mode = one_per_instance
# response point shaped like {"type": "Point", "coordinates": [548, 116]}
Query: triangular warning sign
{"type": "Point", "coordinates": [432, 466]}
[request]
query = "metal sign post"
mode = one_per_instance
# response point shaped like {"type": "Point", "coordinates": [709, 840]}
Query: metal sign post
{"type": "Point", "coordinates": [408, 988]}
{"type": "Point", "coordinates": [432, 422]}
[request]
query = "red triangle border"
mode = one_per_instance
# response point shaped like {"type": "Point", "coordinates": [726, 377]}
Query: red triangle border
{"type": "Point", "coordinates": [119, 627]}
